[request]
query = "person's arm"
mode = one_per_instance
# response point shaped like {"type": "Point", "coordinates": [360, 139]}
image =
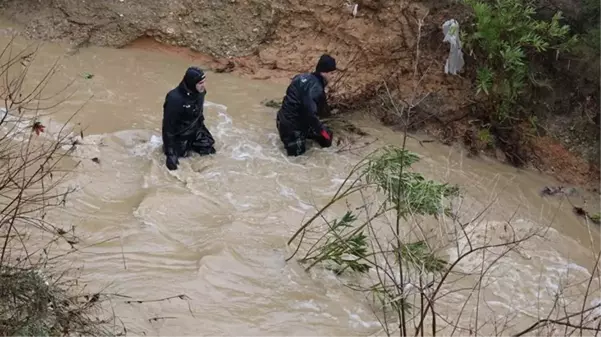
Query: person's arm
{"type": "Point", "coordinates": [201, 107]}
{"type": "Point", "coordinates": [313, 95]}
{"type": "Point", "coordinates": [170, 113]}
{"type": "Point", "coordinates": [323, 107]}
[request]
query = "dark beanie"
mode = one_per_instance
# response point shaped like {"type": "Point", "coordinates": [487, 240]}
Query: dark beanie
{"type": "Point", "coordinates": [325, 64]}
{"type": "Point", "coordinates": [192, 77]}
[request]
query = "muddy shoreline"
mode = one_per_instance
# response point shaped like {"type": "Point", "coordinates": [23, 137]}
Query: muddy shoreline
{"type": "Point", "coordinates": [273, 40]}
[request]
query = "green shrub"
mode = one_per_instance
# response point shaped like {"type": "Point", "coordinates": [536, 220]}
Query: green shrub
{"type": "Point", "coordinates": [503, 39]}
{"type": "Point", "coordinates": [349, 245]}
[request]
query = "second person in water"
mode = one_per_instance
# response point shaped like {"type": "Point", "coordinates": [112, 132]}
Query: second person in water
{"type": "Point", "coordinates": [297, 118]}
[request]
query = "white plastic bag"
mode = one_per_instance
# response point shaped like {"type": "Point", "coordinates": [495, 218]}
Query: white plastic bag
{"type": "Point", "coordinates": [455, 62]}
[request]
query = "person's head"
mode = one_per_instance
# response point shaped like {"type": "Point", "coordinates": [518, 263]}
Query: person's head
{"type": "Point", "coordinates": [195, 79]}
{"type": "Point", "coordinates": [325, 66]}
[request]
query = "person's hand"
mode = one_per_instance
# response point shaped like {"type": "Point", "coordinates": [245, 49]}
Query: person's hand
{"type": "Point", "coordinates": [326, 137]}
{"type": "Point", "coordinates": [326, 134]}
{"type": "Point", "coordinates": [172, 162]}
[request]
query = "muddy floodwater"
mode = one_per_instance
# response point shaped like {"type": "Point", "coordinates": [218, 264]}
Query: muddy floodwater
{"type": "Point", "coordinates": [216, 229]}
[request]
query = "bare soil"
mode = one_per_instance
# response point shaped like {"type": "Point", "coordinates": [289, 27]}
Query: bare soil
{"type": "Point", "coordinates": [274, 40]}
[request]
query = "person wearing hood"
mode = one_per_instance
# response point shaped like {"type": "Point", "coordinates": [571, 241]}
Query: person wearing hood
{"type": "Point", "coordinates": [297, 118]}
{"type": "Point", "coordinates": [183, 119]}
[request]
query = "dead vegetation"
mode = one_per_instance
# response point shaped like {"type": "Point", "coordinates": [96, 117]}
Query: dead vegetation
{"type": "Point", "coordinates": [39, 295]}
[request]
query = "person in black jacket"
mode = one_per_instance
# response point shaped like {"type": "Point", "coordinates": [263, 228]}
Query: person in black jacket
{"type": "Point", "coordinates": [183, 119]}
{"type": "Point", "coordinates": [297, 118]}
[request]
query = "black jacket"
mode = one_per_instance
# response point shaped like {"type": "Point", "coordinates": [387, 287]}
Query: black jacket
{"type": "Point", "coordinates": [305, 97]}
{"type": "Point", "coordinates": [182, 116]}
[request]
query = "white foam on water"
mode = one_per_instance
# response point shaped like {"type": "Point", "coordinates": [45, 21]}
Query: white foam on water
{"type": "Point", "coordinates": [297, 210]}
{"type": "Point", "coordinates": [246, 149]}
{"type": "Point", "coordinates": [142, 143]}
{"type": "Point", "coordinates": [526, 279]}
{"type": "Point", "coordinates": [286, 191]}
{"type": "Point", "coordinates": [355, 321]}
{"type": "Point", "coordinates": [217, 105]}
{"type": "Point", "coordinates": [240, 206]}
{"type": "Point", "coordinates": [310, 304]}
{"type": "Point", "coordinates": [15, 126]}
{"type": "Point", "coordinates": [155, 142]}
{"type": "Point", "coordinates": [239, 141]}
{"type": "Point", "coordinates": [224, 124]}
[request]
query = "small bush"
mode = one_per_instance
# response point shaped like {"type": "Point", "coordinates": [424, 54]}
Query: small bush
{"type": "Point", "coordinates": [348, 246]}
{"type": "Point", "coordinates": [504, 38]}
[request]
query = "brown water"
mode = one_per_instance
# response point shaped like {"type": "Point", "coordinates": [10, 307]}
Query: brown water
{"type": "Point", "coordinates": [215, 230]}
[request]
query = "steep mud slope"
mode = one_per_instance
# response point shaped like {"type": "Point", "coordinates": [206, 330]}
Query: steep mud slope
{"type": "Point", "coordinates": [220, 28]}
{"type": "Point", "coordinates": [379, 44]}
{"type": "Point", "coordinates": [265, 38]}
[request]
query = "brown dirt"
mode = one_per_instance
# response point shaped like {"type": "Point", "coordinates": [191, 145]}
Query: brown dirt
{"type": "Point", "coordinates": [218, 28]}
{"type": "Point", "coordinates": [274, 40]}
{"type": "Point", "coordinates": [564, 165]}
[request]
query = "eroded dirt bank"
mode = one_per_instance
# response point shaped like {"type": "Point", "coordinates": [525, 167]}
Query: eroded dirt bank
{"type": "Point", "coordinates": [275, 39]}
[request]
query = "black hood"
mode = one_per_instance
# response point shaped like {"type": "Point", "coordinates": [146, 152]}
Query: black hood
{"type": "Point", "coordinates": [192, 76]}
{"type": "Point", "coordinates": [325, 64]}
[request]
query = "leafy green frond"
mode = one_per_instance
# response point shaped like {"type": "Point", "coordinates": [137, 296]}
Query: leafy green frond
{"type": "Point", "coordinates": [419, 255]}
{"type": "Point", "coordinates": [388, 296]}
{"type": "Point", "coordinates": [352, 245]}
{"type": "Point", "coordinates": [506, 33]}
{"type": "Point", "coordinates": [409, 191]}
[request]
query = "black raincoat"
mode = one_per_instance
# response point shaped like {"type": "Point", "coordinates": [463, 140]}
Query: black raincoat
{"type": "Point", "coordinates": [297, 119]}
{"type": "Point", "coordinates": [183, 123]}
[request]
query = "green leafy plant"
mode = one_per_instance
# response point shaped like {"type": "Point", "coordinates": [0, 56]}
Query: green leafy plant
{"type": "Point", "coordinates": [485, 136]}
{"type": "Point", "coordinates": [504, 37]}
{"type": "Point", "coordinates": [409, 191]}
{"type": "Point", "coordinates": [596, 218]}
{"type": "Point", "coordinates": [403, 272]}
{"type": "Point", "coordinates": [348, 242]}
{"type": "Point", "coordinates": [388, 297]}
{"type": "Point", "coordinates": [418, 253]}
{"type": "Point", "coordinates": [343, 251]}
